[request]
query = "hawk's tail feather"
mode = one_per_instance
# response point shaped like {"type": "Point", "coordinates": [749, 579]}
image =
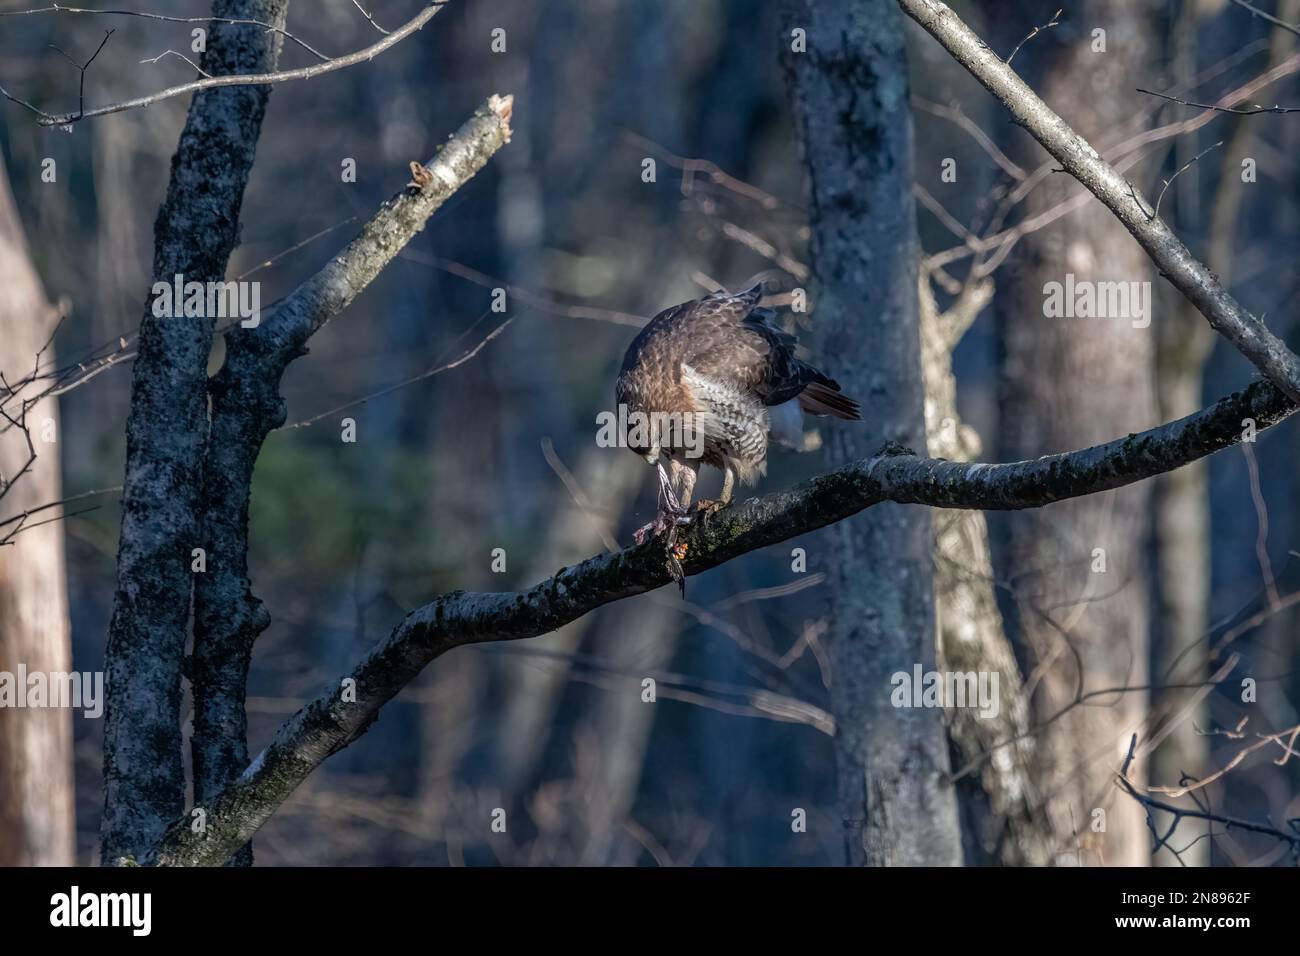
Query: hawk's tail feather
{"type": "Point", "coordinates": [825, 398]}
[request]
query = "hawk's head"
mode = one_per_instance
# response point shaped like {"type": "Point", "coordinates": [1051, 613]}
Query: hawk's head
{"type": "Point", "coordinates": [642, 434]}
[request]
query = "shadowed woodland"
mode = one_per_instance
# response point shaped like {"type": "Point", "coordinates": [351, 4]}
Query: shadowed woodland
{"type": "Point", "coordinates": [314, 597]}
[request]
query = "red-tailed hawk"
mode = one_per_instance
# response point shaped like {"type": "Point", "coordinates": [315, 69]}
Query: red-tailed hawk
{"type": "Point", "coordinates": [710, 381]}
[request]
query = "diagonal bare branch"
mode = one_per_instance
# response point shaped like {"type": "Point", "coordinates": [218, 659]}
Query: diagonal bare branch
{"type": "Point", "coordinates": [246, 407]}
{"type": "Point", "coordinates": [344, 711]}
{"type": "Point", "coordinates": [1266, 351]}
{"type": "Point", "coordinates": [249, 79]}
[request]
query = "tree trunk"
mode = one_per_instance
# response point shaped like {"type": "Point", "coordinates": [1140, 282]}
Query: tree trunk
{"type": "Point", "coordinates": [196, 230]}
{"type": "Point", "coordinates": [850, 98]}
{"type": "Point", "coordinates": [36, 782]}
{"type": "Point", "coordinates": [1077, 570]}
{"type": "Point", "coordinates": [1002, 818]}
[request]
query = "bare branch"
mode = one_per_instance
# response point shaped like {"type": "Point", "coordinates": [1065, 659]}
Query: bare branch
{"type": "Point", "coordinates": [270, 27]}
{"type": "Point", "coordinates": [365, 13]}
{"type": "Point", "coordinates": [526, 296]}
{"type": "Point", "coordinates": [690, 167]}
{"type": "Point", "coordinates": [251, 79]}
{"type": "Point", "coordinates": [955, 115]}
{"type": "Point", "coordinates": [1261, 522]}
{"type": "Point", "coordinates": [579, 496]}
{"type": "Point", "coordinates": [1181, 813]}
{"type": "Point", "coordinates": [20, 519]}
{"type": "Point", "coordinates": [329, 724]}
{"type": "Point", "coordinates": [82, 67]}
{"type": "Point", "coordinates": [246, 407]}
{"type": "Point", "coordinates": [198, 69]}
{"type": "Point", "coordinates": [1123, 155]}
{"type": "Point", "coordinates": [1291, 28]}
{"type": "Point", "coordinates": [1034, 32]}
{"type": "Point", "coordinates": [389, 389]}
{"type": "Point", "coordinates": [1251, 111]}
{"type": "Point", "coordinates": [1181, 169]}
{"type": "Point", "coordinates": [1201, 288]}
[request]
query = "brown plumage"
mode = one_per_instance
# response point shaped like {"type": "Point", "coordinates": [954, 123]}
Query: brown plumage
{"type": "Point", "coordinates": [718, 363]}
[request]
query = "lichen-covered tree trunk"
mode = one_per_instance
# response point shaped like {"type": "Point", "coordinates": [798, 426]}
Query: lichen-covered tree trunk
{"type": "Point", "coordinates": [849, 89]}
{"type": "Point", "coordinates": [1078, 571]}
{"type": "Point", "coordinates": [1001, 812]}
{"type": "Point", "coordinates": [196, 230]}
{"type": "Point", "coordinates": [36, 795]}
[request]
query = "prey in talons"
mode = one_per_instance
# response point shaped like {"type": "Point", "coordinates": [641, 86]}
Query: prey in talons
{"type": "Point", "coordinates": [671, 514]}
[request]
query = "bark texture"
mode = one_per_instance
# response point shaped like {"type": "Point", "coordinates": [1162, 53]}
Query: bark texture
{"type": "Point", "coordinates": [246, 407]}
{"type": "Point", "coordinates": [1002, 818]}
{"type": "Point", "coordinates": [196, 230]}
{"type": "Point", "coordinates": [850, 97]}
{"type": "Point", "coordinates": [1083, 619]}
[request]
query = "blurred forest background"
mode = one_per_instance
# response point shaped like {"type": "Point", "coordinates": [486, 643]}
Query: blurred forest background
{"type": "Point", "coordinates": [499, 452]}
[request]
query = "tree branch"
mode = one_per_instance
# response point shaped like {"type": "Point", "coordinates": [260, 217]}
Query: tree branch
{"type": "Point", "coordinates": [1181, 813]}
{"type": "Point", "coordinates": [246, 406]}
{"type": "Point", "coordinates": [1201, 287]}
{"type": "Point", "coordinates": [344, 712]}
{"type": "Point", "coordinates": [57, 8]}
{"type": "Point", "coordinates": [246, 79]}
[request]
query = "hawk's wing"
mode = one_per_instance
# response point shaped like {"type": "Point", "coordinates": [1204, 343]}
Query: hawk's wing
{"type": "Point", "coordinates": [723, 343]}
{"type": "Point", "coordinates": [732, 343]}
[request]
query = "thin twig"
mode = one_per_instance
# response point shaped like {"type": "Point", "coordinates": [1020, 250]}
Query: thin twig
{"type": "Point", "coordinates": [1222, 109]}
{"type": "Point", "coordinates": [1187, 165]}
{"type": "Point", "coordinates": [955, 115]}
{"type": "Point", "coordinates": [1268, 16]}
{"type": "Point", "coordinates": [1181, 813]}
{"type": "Point", "coordinates": [365, 13]}
{"type": "Point", "coordinates": [1034, 32]}
{"type": "Point", "coordinates": [155, 59]}
{"type": "Point", "coordinates": [690, 167]}
{"type": "Point", "coordinates": [81, 88]}
{"type": "Point", "coordinates": [306, 422]}
{"type": "Point", "coordinates": [59, 8]}
{"type": "Point", "coordinates": [251, 79]}
{"type": "Point", "coordinates": [580, 499]}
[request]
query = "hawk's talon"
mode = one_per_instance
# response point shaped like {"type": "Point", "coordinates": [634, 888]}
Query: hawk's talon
{"type": "Point", "coordinates": [665, 520]}
{"type": "Point", "coordinates": [671, 514]}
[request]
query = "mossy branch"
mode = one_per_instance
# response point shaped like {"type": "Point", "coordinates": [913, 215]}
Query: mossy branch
{"type": "Point", "coordinates": [344, 711]}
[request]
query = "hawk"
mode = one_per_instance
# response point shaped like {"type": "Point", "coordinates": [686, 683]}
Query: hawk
{"type": "Point", "coordinates": [711, 381]}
